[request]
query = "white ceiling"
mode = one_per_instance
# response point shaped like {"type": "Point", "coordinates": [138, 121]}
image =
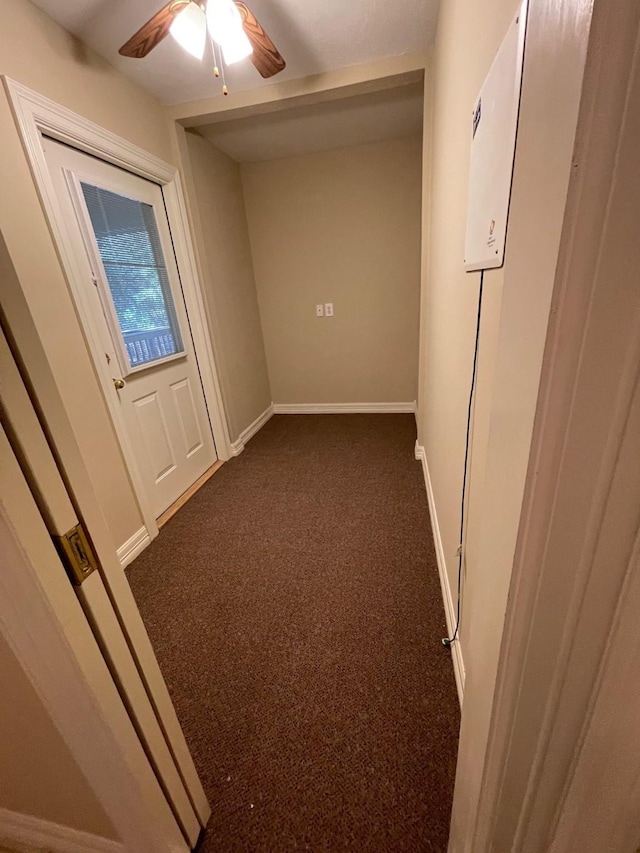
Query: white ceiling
{"type": "Point", "coordinates": [313, 36]}
{"type": "Point", "coordinates": [352, 121]}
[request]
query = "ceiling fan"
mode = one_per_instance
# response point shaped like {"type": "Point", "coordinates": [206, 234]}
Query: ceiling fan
{"type": "Point", "coordinates": [229, 23]}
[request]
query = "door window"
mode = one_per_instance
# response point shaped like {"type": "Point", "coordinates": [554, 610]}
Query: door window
{"type": "Point", "coordinates": [141, 304]}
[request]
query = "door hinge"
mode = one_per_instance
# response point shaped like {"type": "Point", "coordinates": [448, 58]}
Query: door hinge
{"type": "Point", "coordinates": [76, 553]}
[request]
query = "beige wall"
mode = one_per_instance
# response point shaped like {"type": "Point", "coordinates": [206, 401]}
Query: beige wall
{"type": "Point", "coordinates": [339, 226]}
{"type": "Point", "coordinates": [38, 775]}
{"type": "Point", "coordinates": [450, 296]}
{"type": "Point", "coordinates": [38, 53]}
{"type": "Point", "coordinates": [514, 324]}
{"type": "Point", "coordinates": [220, 225]}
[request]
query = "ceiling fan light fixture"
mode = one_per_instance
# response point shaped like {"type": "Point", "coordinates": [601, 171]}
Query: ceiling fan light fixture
{"type": "Point", "coordinates": [223, 17]}
{"type": "Point", "coordinates": [225, 25]}
{"type": "Point", "coordinates": [226, 21]}
{"type": "Point", "coordinates": [236, 47]}
{"type": "Point", "coordinates": [189, 29]}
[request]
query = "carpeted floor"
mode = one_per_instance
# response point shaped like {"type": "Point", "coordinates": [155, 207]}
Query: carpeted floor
{"type": "Point", "coordinates": [295, 609]}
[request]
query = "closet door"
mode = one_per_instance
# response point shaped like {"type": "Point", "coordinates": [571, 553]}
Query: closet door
{"type": "Point", "coordinates": [108, 606]}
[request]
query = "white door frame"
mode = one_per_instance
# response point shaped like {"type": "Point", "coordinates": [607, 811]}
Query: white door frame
{"type": "Point", "coordinates": [36, 115]}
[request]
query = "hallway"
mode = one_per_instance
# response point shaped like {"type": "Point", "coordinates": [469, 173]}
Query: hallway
{"type": "Point", "coordinates": [295, 609]}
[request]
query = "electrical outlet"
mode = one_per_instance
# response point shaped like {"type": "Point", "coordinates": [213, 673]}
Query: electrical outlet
{"type": "Point", "coordinates": [328, 309]}
{"type": "Point", "coordinates": [319, 310]}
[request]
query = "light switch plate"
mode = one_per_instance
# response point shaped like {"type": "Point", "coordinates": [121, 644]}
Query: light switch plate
{"type": "Point", "coordinates": [319, 310]}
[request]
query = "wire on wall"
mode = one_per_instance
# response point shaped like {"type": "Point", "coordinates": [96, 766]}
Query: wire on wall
{"type": "Point", "coordinates": [448, 640]}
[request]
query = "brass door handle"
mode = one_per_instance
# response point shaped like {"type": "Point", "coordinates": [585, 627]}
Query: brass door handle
{"type": "Point", "coordinates": [118, 384]}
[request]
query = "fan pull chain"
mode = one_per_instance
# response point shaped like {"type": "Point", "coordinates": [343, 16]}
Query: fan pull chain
{"type": "Point", "coordinates": [225, 91]}
{"type": "Point", "coordinates": [218, 69]}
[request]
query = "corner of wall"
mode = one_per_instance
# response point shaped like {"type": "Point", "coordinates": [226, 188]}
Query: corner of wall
{"type": "Point", "coordinates": [229, 283]}
{"type": "Point", "coordinates": [197, 232]}
{"type": "Point", "coordinates": [135, 544]}
{"type": "Point", "coordinates": [247, 434]}
{"type": "Point", "coordinates": [427, 169]}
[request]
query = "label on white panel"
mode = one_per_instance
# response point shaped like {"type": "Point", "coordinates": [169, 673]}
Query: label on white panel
{"type": "Point", "coordinates": [493, 126]}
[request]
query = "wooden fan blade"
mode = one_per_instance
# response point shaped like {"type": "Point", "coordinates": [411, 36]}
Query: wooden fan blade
{"type": "Point", "coordinates": [265, 56]}
{"type": "Point", "coordinates": [152, 33]}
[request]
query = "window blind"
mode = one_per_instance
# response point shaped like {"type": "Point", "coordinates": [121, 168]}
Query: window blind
{"type": "Point", "coordinates": [127, 236]}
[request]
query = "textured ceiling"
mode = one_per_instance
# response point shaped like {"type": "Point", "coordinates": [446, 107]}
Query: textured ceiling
{"type": "Point", "coordinates": [313, 36]}
{"type": "Point", "coordinates": [352, 121]}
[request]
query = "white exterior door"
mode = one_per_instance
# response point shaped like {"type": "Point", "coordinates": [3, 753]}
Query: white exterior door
{"type": "Point", "coordinates": [122, 246]}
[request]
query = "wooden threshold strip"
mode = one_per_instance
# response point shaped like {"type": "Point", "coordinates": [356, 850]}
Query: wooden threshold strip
{"type": "Point", "coordinates": [184, 497]}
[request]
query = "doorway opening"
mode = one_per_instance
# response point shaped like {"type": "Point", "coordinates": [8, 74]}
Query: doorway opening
{"type": "Point", "coordinates": [279, 624]}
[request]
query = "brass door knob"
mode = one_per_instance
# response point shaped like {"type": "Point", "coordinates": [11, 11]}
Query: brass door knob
{"type": "Point", "coordinates": [118, 384]}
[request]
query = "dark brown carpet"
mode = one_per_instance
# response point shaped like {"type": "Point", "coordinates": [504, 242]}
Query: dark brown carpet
{"type": "Point", "coordinates": [295, 608]}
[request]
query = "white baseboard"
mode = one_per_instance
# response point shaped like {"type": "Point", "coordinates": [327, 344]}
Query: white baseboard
{"type": "Point", "coordinates": [447, 597]}
{"type": "Point", "coordinates": [133, 546]}
{"type": "Point", "coordinates": [238, 445]}
{"type": "Point", "coordinates": [342, 408]}
{"type": "Point", "coordinates": [26, 834]}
